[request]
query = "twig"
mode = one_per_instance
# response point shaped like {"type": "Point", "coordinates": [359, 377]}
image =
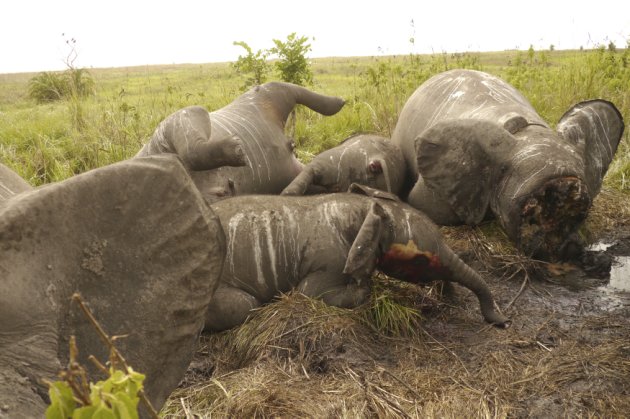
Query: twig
{"type": "Point", "coordinates": [451, 352]}
{"type": "Point", "coordinates": [105, 338]}
{"type": "Point", "coordinates": [412, 391]}
{"type": "Point", "coordinates": [520, 291]}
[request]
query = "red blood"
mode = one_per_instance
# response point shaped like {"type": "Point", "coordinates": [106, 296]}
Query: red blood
{"type": "Point", "coordinates": [408, 263]}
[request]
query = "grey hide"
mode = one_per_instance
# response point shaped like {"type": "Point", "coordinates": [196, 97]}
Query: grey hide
{"type": "Point", "coordinates": [369, 160]}
{"type": "Point", "coordinates": [246, 137]}
{"type": "Point", "coordinates": [481, 149]}
{"type": "Point", "coordinates": [137, 241]}
{"type": "Point", "coordinates": [327, 246]}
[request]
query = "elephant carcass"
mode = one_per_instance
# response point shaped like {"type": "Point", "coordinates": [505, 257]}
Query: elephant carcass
{"type": "Point", "coordinates": [366, 159]}
{"type": "Point", "coordinates": [327, 246]}
{"type": "Point", "coordinates": [246, 137]}
{"type": "Point", "coordinates": [477, 147]}
{"type": "Point", "coordinates": [141, 246]}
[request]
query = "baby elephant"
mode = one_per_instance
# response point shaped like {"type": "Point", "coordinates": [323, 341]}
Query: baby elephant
{"type": "Point", "coordinates": [327, 246]}
{"type": "Point", "coordinates": [366, 159]}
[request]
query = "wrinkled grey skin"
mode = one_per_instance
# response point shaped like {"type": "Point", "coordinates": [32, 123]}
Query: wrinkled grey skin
{"type": "Point", "coordinates": [481, 149]}
{"type": "Point", "coordinates": [325, 246]}
{"type": "Point", "coordinates": [366, 159]}
{"type": "Point", "coordinates": [248, 131]}
{"type": "Point", "coordinates": [96, 234]}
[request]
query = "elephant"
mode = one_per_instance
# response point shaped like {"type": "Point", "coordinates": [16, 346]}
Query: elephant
{"type": "Point", "coordinates": [246, 137]}
{"type": "Point", "coordinates": [141, 246]}
{"type": "Point", "coordinates": [367, 159]}
{"type": "Point", "coordinates": [478, 149]}
{"type": "Point", "coordinates": [327, 246]}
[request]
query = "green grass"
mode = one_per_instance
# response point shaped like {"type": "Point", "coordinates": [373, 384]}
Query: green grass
{"type": "Point", "coordinates": [50, 142]}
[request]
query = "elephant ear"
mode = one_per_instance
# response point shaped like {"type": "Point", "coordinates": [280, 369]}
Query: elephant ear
{"type": "Point", "coordinates": [461, 161]}
{"type": "Point", "coordinates": [595, 128]}
{"type": "Point", "coordinates": [359, 189]}
{"type": "Point", "coordinates": [363, 253]}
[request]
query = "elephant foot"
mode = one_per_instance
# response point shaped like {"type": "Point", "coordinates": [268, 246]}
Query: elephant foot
{"type": "Point", "coordinates": [551, 215]}
{"type": "Point", "coordinates": [229, 152]}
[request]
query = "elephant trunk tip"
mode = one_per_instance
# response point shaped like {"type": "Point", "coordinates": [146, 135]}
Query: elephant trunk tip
{"type": "Point", "coordinates": [497, 319]}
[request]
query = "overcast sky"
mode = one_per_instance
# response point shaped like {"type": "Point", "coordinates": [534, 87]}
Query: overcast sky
{"type": "Point", "coordinates": [117, 33]}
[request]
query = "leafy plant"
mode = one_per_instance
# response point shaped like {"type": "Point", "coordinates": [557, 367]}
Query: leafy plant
{"type": "Point", "coordinates": [252, 63]}
{"type": "Point", "coordinates": [48, 87]}
{"type": "Point", "coordinates": [116, 397]}
{"type": "Point", "coordinates": [292, 63]}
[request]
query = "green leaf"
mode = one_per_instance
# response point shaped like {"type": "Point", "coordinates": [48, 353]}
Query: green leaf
{"type": "Point", "coordinates": [61, 401]}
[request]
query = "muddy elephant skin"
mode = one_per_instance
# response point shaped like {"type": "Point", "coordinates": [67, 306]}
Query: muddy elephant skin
{"type": "Point", "coordinates": [366, 159]}
{"type": "Point", "coordinates": [478, 148]}
{"type": "Point", "coordinates": [327, 246]}
{"type": "Point", "coordinates": [246, 137]}
{"type": "Point", "coordinates": [96, 234]}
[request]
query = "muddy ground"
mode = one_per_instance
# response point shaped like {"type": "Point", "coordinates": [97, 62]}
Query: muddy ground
{"type": "Point", "coordinates": [566, 354]}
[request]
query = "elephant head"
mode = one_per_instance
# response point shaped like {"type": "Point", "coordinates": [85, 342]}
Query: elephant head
{"type": "Point", "coordinates": [140, 245]}
{"type": "Point", "coordinates": [241, 148]}
{"type": "Point", "coordinates": [370, 160]}
{"type": "Point", "coordinates": [479, 149]}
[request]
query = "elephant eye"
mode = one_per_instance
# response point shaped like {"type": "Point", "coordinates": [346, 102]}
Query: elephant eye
{"type": "Point", "coordinates": [375, 167]}
{"type": "Point", "coordinates": [428, 145]}
{"type": "Point", "coordinates": [291, 145]}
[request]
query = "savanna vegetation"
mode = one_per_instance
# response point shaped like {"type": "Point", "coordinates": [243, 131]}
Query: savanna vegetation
{"type": "Point", "coordinates": [409, 352]}
{"type": "Point", "coordinates": [56, 139]}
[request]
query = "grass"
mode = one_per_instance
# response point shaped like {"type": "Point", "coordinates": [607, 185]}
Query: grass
{"type": "Point", "coordinates": [130, 102]}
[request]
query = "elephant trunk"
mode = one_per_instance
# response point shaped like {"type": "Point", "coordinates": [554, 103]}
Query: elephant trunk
{"type": "Point", "coordinates": [300, 184]}
{"type": "Point", "coordinates": [469, 278]}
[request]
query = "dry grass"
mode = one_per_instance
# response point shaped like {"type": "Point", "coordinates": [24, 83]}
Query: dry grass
{"type": "Point", "coordinates": [564, 356]}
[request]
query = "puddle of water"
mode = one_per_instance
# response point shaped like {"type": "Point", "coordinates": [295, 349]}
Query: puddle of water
{"type": "Point", "coordinates": [615, 293]}
{"type": "Point", "coordinates": [620, 274]}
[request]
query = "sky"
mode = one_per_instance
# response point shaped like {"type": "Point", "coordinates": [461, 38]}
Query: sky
{"type": "Point", "coordinates": [119, 33]}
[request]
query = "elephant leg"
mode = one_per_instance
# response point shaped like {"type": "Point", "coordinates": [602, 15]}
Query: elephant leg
{"type": "Point", "coordinates": [229, 308]}
{"type": "Point", "coordinates": [226, 151]}
{"type": "Point", "coordinates": [339, 291]}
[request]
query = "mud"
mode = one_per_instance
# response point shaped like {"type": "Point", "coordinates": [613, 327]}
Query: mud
{"type": "Point", "coordinates": [566, 354]}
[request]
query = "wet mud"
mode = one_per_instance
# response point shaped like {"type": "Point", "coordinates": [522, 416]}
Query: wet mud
{"type": "Point", "coordinates": [566, 353]}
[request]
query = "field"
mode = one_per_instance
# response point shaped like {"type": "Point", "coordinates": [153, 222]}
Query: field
{"type": "Point", "coordinates": [410, 352]}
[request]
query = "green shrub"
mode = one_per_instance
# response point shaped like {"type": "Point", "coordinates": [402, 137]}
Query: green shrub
{"type": "Point", "coordinates": [49, 86]}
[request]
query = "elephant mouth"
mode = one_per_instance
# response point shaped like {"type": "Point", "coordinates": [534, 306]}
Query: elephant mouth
{"type": "Point", "coordinates": [550, 215]}
{"type": "Point", "coordinates": [408, 263]}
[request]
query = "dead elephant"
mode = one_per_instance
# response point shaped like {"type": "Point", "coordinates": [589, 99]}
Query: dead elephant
{"type": "Point", "coordinates": [242, 143]}
{"type": "Point", "coordinates": [477, 147]}
{"type": "Point", "coordinates": [327, 246]}
{"type": "Point", "coordinates": [96, 234]}
{"type": "Point", "coordinates": [366, 159]}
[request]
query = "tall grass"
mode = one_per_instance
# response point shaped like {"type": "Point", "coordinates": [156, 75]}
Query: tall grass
{"type": "Point", "coordinates": [50, 142]}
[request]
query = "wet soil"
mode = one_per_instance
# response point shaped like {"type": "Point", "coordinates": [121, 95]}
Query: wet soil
{"type": "Point", "coordinates": [566, 354]}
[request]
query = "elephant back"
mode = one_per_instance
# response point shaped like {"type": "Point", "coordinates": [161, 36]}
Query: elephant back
{"type": "Point", "coordinates": [460, 94]}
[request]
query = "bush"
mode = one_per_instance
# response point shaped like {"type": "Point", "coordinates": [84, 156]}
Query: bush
{"type": "Point", "coordinates": [50, 87]}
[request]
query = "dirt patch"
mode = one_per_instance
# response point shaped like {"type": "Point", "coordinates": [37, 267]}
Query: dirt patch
{"type": "Point", "coordinates": [567, 352]}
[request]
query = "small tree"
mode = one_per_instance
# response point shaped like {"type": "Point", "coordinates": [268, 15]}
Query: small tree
{"type": "Point", "coordinates": [292, 63]}
{"type": "Point", "coordinates": [252, 63]}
